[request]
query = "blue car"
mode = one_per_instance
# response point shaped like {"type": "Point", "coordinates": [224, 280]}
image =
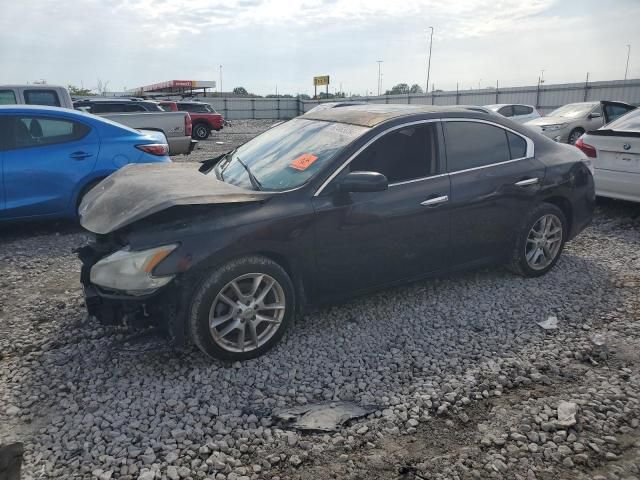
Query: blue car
{"type": "Point", "coordinates": [51, 157]}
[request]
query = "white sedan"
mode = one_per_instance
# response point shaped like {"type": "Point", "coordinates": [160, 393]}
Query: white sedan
{"type": "Point", "coordinates": [615, 155]}
{"type": "Point", "coordinates": [515, 111]}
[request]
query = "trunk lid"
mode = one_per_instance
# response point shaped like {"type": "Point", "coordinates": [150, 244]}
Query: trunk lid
{"type": "Point", "coordinates": [618, 153]}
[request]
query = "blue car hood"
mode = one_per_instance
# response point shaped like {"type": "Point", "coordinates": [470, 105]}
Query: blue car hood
{"type": "Point", "coordinates": [139, 190]}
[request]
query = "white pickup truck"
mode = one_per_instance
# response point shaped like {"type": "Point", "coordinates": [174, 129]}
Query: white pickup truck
{"type": "Point", "coordinates": [176, 126]}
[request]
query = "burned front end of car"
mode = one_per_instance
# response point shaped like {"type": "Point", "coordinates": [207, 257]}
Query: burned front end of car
{"type": "Point", "coordinates": [122, 289]}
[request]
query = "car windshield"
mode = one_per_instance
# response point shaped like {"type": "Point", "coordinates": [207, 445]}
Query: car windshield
{"type": "Point", "coordinates": [287, 155]}
{"type": "Point", "coordinates": [573, 110]}
{"type": "Point", "coordinates": [628, 122]}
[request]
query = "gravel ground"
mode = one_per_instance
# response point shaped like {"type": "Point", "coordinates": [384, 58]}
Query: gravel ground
{"type": "Point", "coordinates": [467, 384]}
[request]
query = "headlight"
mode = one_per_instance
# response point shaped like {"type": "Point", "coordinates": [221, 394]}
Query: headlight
{"type": "Point", "coordinates": [131, 271]}
{"type": "Point", "coordinates": [556, 126]}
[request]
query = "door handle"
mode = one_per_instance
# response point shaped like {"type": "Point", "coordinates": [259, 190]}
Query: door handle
{"type": "Point", "coordinates": [527, 182]}
{"type": "Point", "coordinates": [432, 202]}
{"type": "Point", "coordinates": [80, 155]}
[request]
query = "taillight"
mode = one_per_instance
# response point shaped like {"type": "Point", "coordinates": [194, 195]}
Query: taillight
{"type": "Point", "coordinates": [159, 149]}
{"type": "Point", "coordinates": [588, 150]}
{"type": "Point", "coordinates": [187, 125]}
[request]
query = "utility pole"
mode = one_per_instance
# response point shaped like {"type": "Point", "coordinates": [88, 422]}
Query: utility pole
{"type": "Point", "coordinates": [220, 80]}
{"type": "Point", "coordinates": [626, 69]}
{"type": "Point", "coordinates": [541, 76]}
{"type": "Point", "coordinates": [379, 76]}
{"type": "Point", "coordinates": [426, 91]}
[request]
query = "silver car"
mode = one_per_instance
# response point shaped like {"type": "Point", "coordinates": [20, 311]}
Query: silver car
{"type": "Point", "coordinates": [566, 124]}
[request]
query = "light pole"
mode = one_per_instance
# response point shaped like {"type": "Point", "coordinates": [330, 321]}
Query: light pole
{"type": "Point", "coordinates": [379, 76]}
{"type": "Point", "coordinates": [220, 80]}
{"type": "Point", "coordinates": [426, 90]}
{"type": "Point", "coordinates": [626, 69]}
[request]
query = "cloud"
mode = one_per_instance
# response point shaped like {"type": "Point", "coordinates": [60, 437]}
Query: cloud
{"type": "Point", "coordinates": [262, 43]}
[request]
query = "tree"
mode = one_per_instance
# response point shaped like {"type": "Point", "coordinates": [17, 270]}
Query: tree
{"type": "Point", "coordinates": [303, 96]}
{"type": "Point", "coordinates": [240, 91]}
{"type": "Point", "coordinates": [399, 89]}
{"type": "Point", "coordinates": [102, 87]}
{"type": "Point", "coordinates": [415, 88]}
{"type": "Point", "coordinates": [79, 91]}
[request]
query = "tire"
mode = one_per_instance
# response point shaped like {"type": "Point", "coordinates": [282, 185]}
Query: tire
{"type": "Point", "coordinates": [84, 192]}
{"type": "Point", "coordinates": [574, 135]}
{"type": "Point", "coordinates": [234, 320]}
{"type": "Point", "coordinates": [201, 131]}
{"type": "Point", "coordinates": [528, 264]}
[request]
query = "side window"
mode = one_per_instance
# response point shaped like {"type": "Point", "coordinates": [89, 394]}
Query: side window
{"type": "Point", "coordinates": [5, 132]}
{"type": "Point", "coordinates": [185, 107]}
{"type": "Point", "coordinates": [517, 145]}
{"type": "Point", "coordinates": [104, 107]}
{"type": "Point", "coordinates": [506, 111]}
{"type": "Point", "coordinates": [42, 97]}
{"type": "Point", "coordinates": [7, 97]}
{"type": "Point", "coordinates": [522, 110]}
{"type": "Point", "coordinates": [405, 154]}
{"type": "Point", "coordinates": [134, 108]}
{"type": "Point", "coordinates": [38, 131]}
{"type": "Point", "coordinates": [474, 144]}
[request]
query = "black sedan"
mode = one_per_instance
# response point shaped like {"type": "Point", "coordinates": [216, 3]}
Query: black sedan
{"type": "Point", "coordinates": [323, 207]}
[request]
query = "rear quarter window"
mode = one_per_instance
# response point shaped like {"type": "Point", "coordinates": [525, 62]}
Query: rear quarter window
{"type": "Point", "coordinates": [42, 97]}
{"type": "Point", "coordinates": [474, 144]}
{"type": "Point", "coordinates": [7, 97]}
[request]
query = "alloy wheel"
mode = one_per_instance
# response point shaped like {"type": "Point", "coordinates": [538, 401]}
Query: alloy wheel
{"type": "Point", "coordinates": [247, 312]}
{"type": "Point", "coordinates": [543, 242]}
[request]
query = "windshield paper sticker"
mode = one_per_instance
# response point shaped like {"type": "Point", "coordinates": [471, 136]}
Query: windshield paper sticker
{"type": "Point", "coordinates": [303, 162]}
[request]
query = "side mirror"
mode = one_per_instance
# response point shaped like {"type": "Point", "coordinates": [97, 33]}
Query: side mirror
{"type": "Point", "coordinates": [595, 115]}
{"type": "Point", "coordinates": [363, 182]}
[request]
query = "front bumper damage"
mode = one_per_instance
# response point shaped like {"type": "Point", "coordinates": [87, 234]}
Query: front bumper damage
{"type": "Point", "coordinates": [162, 309]}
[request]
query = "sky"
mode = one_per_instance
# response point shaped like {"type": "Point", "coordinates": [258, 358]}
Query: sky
{"type": "Point", "coordinates": [262, 44]}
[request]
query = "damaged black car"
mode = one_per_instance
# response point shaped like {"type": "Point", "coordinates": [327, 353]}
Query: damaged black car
{"type": "Point", "coordinates": [326, 206]}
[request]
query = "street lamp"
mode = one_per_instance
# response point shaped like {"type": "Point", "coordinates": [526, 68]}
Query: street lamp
{"type": "Point", "coordinates": [379, 76]}
{"type": "Point", "coordinates": [426, 90]}
{"type": "Point", "coordinates": [220, 80]}
{"type": "Point", "coordinates": [626, 69]}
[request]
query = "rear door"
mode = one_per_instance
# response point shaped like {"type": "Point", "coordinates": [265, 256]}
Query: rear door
{"type": "Point", "coordinates": [45, 160]}
{"type": "Point", "coordinates": [613, 110]}
{"type": "Point", "coordinates": [494, 183]}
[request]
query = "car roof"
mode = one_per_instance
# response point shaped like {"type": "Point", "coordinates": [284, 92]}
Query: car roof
{"type": "Point", "coordinates": [36, 108]}
{"type": "Point", "coordinates": [69, 112]}
{"type": "Point", "coordinates": [498, 105]}
{"type": "Point", "coordinates": [370, 115]}
{"type": "Point", "coordinates": [32, 85]}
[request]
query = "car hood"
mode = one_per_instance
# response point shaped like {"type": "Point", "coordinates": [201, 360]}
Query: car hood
{"type": "Point", "coordinates": [551, 121]}
{"type": "Point", "coordinates": [137, 191]}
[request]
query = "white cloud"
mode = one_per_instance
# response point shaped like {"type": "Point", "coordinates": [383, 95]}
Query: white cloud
{"type": "Point", "coordinates": [264, 42]}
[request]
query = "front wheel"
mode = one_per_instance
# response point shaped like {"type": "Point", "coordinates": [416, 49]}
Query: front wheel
{"type": "Point", "coordinates": [201, 131]}
{"type": "Point", "coordinates": [574, 136]}
{"type": "Point", "coordinates": [242, 309]}
{"type": "Point", "coordinates": [540, 241]}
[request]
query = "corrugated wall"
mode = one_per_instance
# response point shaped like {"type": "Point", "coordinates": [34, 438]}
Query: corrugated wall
{"type": "Point", "coordinates": [545, 97]}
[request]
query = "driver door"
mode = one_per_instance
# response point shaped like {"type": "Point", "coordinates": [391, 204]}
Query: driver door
{"type": "Point", "coordinates": [371, 239]}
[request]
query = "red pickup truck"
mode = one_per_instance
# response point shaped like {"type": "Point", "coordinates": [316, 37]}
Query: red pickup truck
{"type": "Point", "coordinates": [203, 117]}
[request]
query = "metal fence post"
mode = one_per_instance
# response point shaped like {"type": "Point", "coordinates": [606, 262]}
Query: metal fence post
{"type": "Point", "coordinates": [278, 107]}
{"type": "Point", "coordinates": [253, 108]}
{"type": "Point", "coordinates": [497, 93]}
{"type": "Point", "coordinates": [226, 110]}
{"type": "Point", "coordinates": [586, 88]}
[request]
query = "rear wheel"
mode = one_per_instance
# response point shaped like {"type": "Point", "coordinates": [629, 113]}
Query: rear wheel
{"type": "Point", "coordinates": [574, 136]}
{"type": "Point", "coordinates": [201, 131]}
{"type": "Point", "coordinates": [242, 309]}
{"type": "Point", "coordinates": [539, 242]}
